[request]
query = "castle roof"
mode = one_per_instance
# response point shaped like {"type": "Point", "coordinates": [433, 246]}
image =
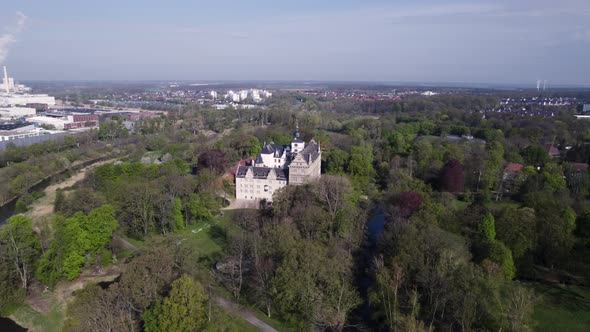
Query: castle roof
{"type": "Point", "coordinates": [261, 172]}
{"type": "Point", "coordinates": [274, 149]}
{"type": "Point", "coordinates": [310, 153]}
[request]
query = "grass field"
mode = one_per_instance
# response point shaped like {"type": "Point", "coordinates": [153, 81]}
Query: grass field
{"type": "Point", "coordinates": [208, 238]}
{"type": "Point", "coordinates": [51, 322]}
{"type": "Point", "coordinates": [562, 308]}
{"type": "Point", "coordinates": [226, 321]}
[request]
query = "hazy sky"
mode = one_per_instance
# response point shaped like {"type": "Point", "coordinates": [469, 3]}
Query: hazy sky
{"type": "Point", "coordinates": [500, 41]}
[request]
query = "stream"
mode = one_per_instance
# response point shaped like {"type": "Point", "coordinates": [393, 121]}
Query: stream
{"type": "Point", "coordinates": [8, 325]}
{"type": "Point", "coordinates": [363, 314]}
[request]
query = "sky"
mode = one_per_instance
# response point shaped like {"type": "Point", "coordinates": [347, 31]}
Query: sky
{"type": "Point", "coordinates": [471, 41]}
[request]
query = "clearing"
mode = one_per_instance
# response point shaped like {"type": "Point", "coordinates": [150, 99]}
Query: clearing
{"type": "Point", "coordinates": [43, 207]}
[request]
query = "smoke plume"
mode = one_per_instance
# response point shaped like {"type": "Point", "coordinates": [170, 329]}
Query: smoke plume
{"type": "Point", "coordinates": [9, 36]}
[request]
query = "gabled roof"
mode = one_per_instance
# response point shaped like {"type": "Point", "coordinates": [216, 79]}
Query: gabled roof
{"type": "Point", "coordinates": [274, 149]}
{"type": "Point", "coordinates": [310, 153]}
{"type": "Point", "coordinates": [551, 150]}
{"type": "Point", "coordinates": [261, 172]}
{"type": "Point", "coordinates": [513, 167]}
{"type": "Point", "coordinates": [580, 167]}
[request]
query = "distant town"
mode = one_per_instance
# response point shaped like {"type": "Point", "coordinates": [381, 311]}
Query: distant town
{"type": "Point", "coordinates": [28, 117]}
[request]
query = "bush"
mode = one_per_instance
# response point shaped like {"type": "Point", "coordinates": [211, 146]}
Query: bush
{"type": "Point", "coordinates": [105, 257]}
{"type": "Point", "coordinates": [21, 206]}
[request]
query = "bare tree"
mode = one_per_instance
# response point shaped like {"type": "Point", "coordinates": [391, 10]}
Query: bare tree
{"type": "Point", "coordinates": [333, 190]}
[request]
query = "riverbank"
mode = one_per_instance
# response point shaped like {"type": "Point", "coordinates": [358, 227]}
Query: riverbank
{"type": "Point", "coordinates": [43, 207]}
{"type": "Point", "coordinates": [44, 309]}
{"type": "Point", "coordinates": [8, 207]}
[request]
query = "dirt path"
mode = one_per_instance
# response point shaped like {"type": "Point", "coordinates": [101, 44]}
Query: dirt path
{"type": "Point", "coordinates": [244, 314]}
{"type": "Point", "coordinates": [43, 207]}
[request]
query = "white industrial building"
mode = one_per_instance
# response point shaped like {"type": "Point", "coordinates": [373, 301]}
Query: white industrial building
{"type": "Point", "coordinates": [10, 132]}
{"type": "Point", "coordinates": [17, 94]}
{"type": "Point", "coordinates": [16, 112]}
{"type": "Point", "coordinates": [57, 123]}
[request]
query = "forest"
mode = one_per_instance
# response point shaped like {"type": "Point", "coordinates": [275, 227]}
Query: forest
{"type": "Point", "coordinates": [432, 214]}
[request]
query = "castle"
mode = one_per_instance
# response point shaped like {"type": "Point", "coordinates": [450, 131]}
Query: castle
{"type": "Point", "coordinates": [279, 165]}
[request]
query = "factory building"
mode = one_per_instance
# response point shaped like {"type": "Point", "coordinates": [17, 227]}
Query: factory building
{"type": "Point", "coordinates": [62, 121]}
{"type": "Point", "coordinates": [14, 131]}
{"type": "Point", "coordinates": [13, 112]}
{"type": "Point", "coordinates": [17, 94]}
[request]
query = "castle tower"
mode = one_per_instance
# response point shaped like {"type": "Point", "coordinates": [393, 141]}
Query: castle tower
{"type": "Point", "coordinates": [297, 144]}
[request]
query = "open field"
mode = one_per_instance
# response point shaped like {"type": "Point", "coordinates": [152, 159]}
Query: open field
{"type": "Point", "coordinates": [562, 308]}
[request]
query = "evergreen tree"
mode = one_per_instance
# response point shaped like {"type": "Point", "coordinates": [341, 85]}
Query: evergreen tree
{"type": "Point", "coordinates": [487, 227]}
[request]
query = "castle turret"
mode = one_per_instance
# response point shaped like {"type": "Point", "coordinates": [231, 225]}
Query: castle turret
{"type": "Point", "coordinates": [297, 144]}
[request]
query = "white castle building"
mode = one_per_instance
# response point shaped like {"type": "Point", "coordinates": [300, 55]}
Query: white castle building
{"type": "Point", "coordinates": [277, 166]}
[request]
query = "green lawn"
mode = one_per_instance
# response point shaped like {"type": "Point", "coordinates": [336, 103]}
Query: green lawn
{"type": "Point", "coordinates": [50, 322]}
{"type": "Point", "coordinates": [503, 204]}
{"type": "Point", "coordinates": [208, 238]}
{"type": "Point", "coordinates": [562, 308]}
{"type": "Point", "coordinates": [226, 321]}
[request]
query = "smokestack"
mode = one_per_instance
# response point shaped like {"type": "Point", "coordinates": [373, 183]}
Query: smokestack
{"type": "Point", "coordinates": [6, 80]}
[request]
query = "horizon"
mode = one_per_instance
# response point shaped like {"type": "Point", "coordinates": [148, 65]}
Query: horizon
{"type": "Point", "coordinates": [456, 42]}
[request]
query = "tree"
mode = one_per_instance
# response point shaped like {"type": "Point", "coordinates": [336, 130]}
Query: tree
{"type": "Point", "coordinates": [137, 205]}
{"type": "Point", "coordinates": [333, 191]}
{"type": "Point", "coordinates": [147, 278]}
{"type": "Point", "coordinates": [255, 147]}
{"type": "Point", "coordinates": [196, 209]}
{"type": "Point", "coordinates": [361, 161]}
{"type": "Point", "coordinates": [399, 143]}
{"type": "Point", "coordinates": [99, 226]}
{"type": "Point", "coordinates": [178, 220]}
{"type": "Point", "coordinates": [407, 202]}
{"type": "Point", "coordinates": [451, 177]}
{"type": "Point", "coordinates": [184, 309]}
{"type": "Point", "coordinates": [535, 155]}
{"type": "Point", "coordinates": [517, 229]}
{"type": "Point", "coordinates": [336, 162]}
{"type": "Point", "coordinates": [314, 286]}
{"type": "Point", "coordinates": [498, 253]}
{"type": "Point", "coordinates": [22, 246]}
{"type": "Point", "coordinates": [492, 165]}
{"type": "Point", "coordinates": [65, 255]}
{"type": "Point", "coordinates": [96, 310]}
{"type": "Point", "coordinates": [487, 227]}
{"type": "Point", "coordinates": [555, 233]}
{"type": "Point", "coordinates": [214, 160]}
{"type": "Point", "coordinates": [110, 129]}
{"type": "Point", "coordinates": [553, 176]}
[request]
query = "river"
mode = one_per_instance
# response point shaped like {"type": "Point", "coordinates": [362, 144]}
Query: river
{"type": "Point", "coordinates": [363, 315]}
{"type": "Point", "coordinates": [8, 325]}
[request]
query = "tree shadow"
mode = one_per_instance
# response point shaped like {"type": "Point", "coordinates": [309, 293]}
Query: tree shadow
{"type": "Point", "coordinates": [218, 234]}
{"type": "Point", "coordinates": [571, 298]}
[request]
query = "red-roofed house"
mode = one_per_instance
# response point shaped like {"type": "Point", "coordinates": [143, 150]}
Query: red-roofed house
{"type": "Point", "coordinates": [513, 167]}
{"type": "Point", "coordinates": [512, 177]}
{"type": "Point", "coordinates": [231, 173]}
{"type": "Point", "coordinates": [551, 150]}
{"type": "Point", "coordinates": [579, 167]}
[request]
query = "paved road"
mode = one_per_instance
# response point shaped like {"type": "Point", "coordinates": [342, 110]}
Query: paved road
{"type": "Point", "coordinates": [245, 314]}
